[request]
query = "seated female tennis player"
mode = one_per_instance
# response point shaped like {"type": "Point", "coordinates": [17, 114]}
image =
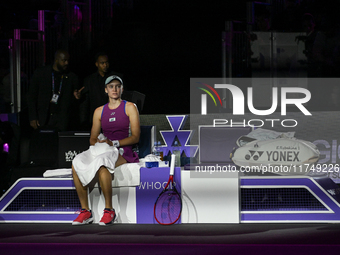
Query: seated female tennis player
{"type": "Point", "coordinates": [105, 154]}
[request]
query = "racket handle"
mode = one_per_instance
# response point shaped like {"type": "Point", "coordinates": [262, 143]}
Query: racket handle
{"type": "Point", "coordinates": [172, 166]}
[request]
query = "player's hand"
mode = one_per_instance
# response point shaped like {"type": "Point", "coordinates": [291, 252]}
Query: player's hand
{"type": "Point", "coordinates": [105, 141]}
{"type": "Point", "coordinates": [34, 124]}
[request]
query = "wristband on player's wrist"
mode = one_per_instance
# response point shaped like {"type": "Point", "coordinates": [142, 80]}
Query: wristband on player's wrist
{"type": "Point", "coordinates": [115, 143]}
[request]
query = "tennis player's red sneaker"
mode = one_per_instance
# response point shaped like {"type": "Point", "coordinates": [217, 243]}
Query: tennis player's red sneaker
{"type": "Point", "coordinates": [108, 217]}
{"type": "Point", "coordinates": [85, 217]}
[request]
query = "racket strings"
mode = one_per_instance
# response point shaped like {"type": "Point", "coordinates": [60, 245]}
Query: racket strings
{"type": "Point", "coordinates": [168, 207]}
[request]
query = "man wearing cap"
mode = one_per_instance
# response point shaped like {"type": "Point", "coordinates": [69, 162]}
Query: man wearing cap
{"type": "Point", "coordinates": [93, 94]}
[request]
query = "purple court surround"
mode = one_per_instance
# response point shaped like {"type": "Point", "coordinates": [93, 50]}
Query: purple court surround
{"type": "Point", "coordinates": [34, 217]}
{"type": "Point", "coordinates": [323, 189]}
{"type": "Point", "coordinates": [154, 179]}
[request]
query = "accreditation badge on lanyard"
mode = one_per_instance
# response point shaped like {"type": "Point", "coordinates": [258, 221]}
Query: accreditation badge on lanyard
{"type": "Point", "coordinates": [55, 96]}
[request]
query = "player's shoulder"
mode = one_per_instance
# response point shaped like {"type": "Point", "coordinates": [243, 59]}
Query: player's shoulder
{"type": "Point", "coordinates": [130, 104]}
{"type": "Point", "coordinates": [131, 108]}
{"type": "Point", "coordinates": [99, 109]}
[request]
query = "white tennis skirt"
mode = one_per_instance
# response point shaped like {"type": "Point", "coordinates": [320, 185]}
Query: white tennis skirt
{"type": "Point", "coordinates": [87, 163]}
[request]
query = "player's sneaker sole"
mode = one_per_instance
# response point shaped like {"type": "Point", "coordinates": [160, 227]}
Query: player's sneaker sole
{"type": "Point", "coordinates": [77, 223]}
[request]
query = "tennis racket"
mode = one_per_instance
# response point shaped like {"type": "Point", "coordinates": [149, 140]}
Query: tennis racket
{"type": "Point", "coordinates": [168, 206]}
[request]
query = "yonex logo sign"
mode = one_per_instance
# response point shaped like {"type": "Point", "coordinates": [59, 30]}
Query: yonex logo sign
{"type": "Point", "coordinates": [255, 155]}
{"type": "Point", "coordinates": [238, 99]}
{"type": "Point", "coordinates": [276, 156]}
{"type": "Point", "coordinates": [289, 156]}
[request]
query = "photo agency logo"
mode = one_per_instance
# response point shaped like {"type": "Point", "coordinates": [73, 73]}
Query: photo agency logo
{"type": "Point", "coordinates": [238, 104]}
{"type": "Point", "coordinates": [204, 97]}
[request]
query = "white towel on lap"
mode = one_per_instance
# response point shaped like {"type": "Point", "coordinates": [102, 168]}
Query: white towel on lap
{"type": "Point", "coordinates": [126, 175]}
{"type": "Point", "coordinates": [88, 162]}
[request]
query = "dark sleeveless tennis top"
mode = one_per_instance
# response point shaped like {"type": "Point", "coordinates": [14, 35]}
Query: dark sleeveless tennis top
{"type": "Point", "coordinates": [115, 126]}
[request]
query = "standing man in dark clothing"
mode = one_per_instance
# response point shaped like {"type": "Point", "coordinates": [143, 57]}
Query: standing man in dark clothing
{"type": "Point", "coordinates": [93, 93]}
{"type": "Point", "coordinates": [51, 94]}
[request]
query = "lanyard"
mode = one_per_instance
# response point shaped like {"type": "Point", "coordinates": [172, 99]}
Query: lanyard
{"type": "Point", "coordinates": [60, 85]}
